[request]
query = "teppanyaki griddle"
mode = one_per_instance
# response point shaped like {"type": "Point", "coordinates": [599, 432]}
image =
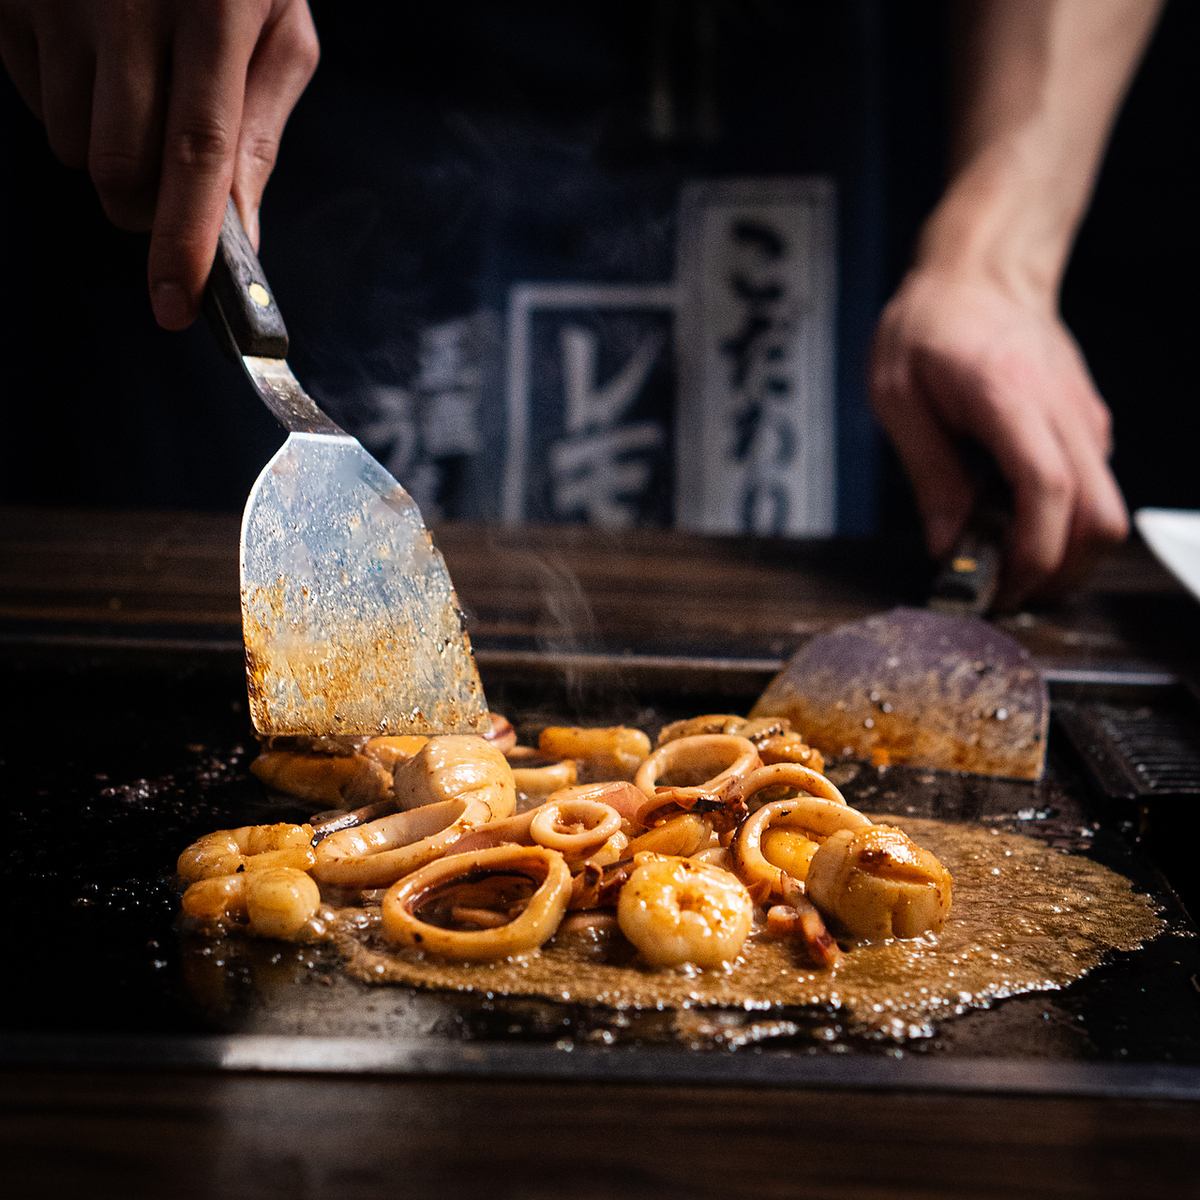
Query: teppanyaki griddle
{"type": "Point", "coordinates": [96, 818]}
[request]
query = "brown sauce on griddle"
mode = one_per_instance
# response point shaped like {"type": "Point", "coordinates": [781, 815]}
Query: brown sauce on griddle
{"type": "Point", "coordinates": [1025, 918]}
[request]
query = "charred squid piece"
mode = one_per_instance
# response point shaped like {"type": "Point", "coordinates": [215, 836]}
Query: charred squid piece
{"type": "Point", "coordinates": [754, 729]}
{"type": "Point", "coordinates": [454, 785]}
{"type": "Point", "coordinates": [684, 834]}
{"type": "Point", "coordinates": [598, 887]}
{"type": "Point", "coordinates": [809, 819]}
{"type": "Point", "coordinates": [798, 918]}
{"type": "Point", "coordinates": [722, 807]}
{"type": "Point", "coordinates": [335, 819]}
{"type": "Point", "coordinates": [698, 766]}
{"type": "Point", "coordinates": [536, 782]}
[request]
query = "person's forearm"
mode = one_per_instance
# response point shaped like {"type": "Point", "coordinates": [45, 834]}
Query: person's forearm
{"type": "Point", "coordinates": [1039, 86]}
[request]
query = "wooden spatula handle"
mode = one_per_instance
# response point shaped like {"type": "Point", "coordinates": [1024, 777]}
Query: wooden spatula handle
{"type": "Point", "coordinates": [238, 289]}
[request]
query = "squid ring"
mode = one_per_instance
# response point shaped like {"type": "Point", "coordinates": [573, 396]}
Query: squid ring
{"type": "Point", "coordinates": [789, 774]}
{"type": "Point", "coordinates": [707, 760]}
{"type": "Point", "coordinates": [574, 826]}
{"type": "Point", "coordinates": [522, 935]}
{"type": "Point", "coordinates": [380, 852]}
{"type": "Point", "coordinates": [810, 815]}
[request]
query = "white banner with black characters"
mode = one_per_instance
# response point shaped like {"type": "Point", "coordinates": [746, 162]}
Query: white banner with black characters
{"type": "Point", "coordinates": [589, 404]}
{"type": "Point", "coordinates": [755, 448]}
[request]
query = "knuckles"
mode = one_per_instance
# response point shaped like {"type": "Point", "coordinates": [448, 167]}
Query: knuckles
{"type": "Point", "coordinates": [200, 145]}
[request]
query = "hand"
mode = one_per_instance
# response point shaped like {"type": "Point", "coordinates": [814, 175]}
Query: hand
{"type": "Point", "coordinates": [963, 359]}
{"type": "Point", "coordinates": [170, 105]}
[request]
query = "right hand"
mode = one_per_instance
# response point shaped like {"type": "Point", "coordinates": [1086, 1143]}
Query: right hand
{"type": "Point", "coordinates": [963, 358]}
{"type": "Point", "coordinates": [171, 106]}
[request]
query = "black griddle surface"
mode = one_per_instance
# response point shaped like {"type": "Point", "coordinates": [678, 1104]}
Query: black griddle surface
{"type": "Point", "coordinates": [115, 760]}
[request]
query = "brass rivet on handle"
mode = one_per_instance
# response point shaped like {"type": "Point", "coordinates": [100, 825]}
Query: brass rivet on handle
{"type": "Point", "coordinates": [260, 295]}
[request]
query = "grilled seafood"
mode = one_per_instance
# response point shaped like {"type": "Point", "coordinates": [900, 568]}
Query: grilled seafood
{"type": "Point", "coordinates": [275, 902]}
{"type": "Point", "coordinates": [876, 882]}
{"type": "Point", "coordinates": [813, 817]}
{"type": "Point", "coordinates": [249, 848]}
{"type": "Point", "coordinates": [349, 779]}
{"type": "Point", "coordinates": [677, 911]}
{"type": "Point", "coordinates": [610, 752]}
{"type": "Point", "coordinates": [683, 842]}
{"type": "Point", "coordinates": [534, 924]}
{"type": "Point", "coordinates": [452, 785]}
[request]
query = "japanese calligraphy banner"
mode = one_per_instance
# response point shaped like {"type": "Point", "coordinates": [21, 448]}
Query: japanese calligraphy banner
{"type": "Point", "coordinates": [589, 404]}
{"type": "Point", "coordinates": [755, 433]}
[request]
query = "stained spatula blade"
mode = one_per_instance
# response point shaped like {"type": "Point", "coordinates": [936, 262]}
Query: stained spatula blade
{"type": "Point", "coordinates": [351, 622]}
{"type": "Point", "coordinates": [920, 688]}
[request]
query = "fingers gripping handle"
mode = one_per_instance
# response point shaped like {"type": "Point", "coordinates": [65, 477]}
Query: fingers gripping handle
{"type": "Point", "coordinates": [238, 289]}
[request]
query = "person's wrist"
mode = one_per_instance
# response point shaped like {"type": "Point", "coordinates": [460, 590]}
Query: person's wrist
{"type": "Point", "coordinates": [1000, 227]}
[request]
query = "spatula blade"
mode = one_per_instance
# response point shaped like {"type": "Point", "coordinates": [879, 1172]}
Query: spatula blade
{"type": "Point", "coordinates": [351, 622]}
{"type": "Point", "coordinates": [920, 688]}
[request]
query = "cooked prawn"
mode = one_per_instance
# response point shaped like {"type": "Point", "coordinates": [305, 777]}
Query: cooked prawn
{"type": "Point", "coordinates": [677, 911]}
{"type": "Point", "coordinates": [603, 752]}
{"type": "Point", "coordinates": [248, 848]}
{"type": "Point", "coordinates": [276, 902]}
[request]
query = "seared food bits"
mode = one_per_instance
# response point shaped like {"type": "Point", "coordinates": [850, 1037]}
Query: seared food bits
{"type": "Point", "coordinates": [682, 843]}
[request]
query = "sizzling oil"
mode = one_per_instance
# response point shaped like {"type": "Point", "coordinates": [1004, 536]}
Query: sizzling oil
{"type": "Point", "coordinates": [1025, 918]}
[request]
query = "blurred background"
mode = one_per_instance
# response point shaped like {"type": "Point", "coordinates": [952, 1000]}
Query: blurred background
{"type": "Point", "coordinates": [606, 262]}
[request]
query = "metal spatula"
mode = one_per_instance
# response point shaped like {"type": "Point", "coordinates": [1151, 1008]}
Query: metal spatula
{"type": "Point", "coordinates": [941, 689]}
{"type": "Point", "coordinates": [350, 620]}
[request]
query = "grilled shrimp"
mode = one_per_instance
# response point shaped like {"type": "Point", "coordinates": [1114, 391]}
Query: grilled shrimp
{"type": "Point", "coordinates": [275, 902]}
{"type": "Point", "coordinates": [342, 779]}
{"type": "Point", "coordinates": [790, 748]}
{"type": "Point", "coordinates": [453, 784]}
{"type": "Point", "coordinates": [533, 783]}
{"type": "Point", "coordinates": [528, 929]}
{"type": "Point", "coordinates": [676, 911]}
{"type": "Point", "coordinates": [611, 752]}
{"type": "Point", "coordinates": [248, 848]}
{"type": "Point", "coordinates": [878, 883]}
